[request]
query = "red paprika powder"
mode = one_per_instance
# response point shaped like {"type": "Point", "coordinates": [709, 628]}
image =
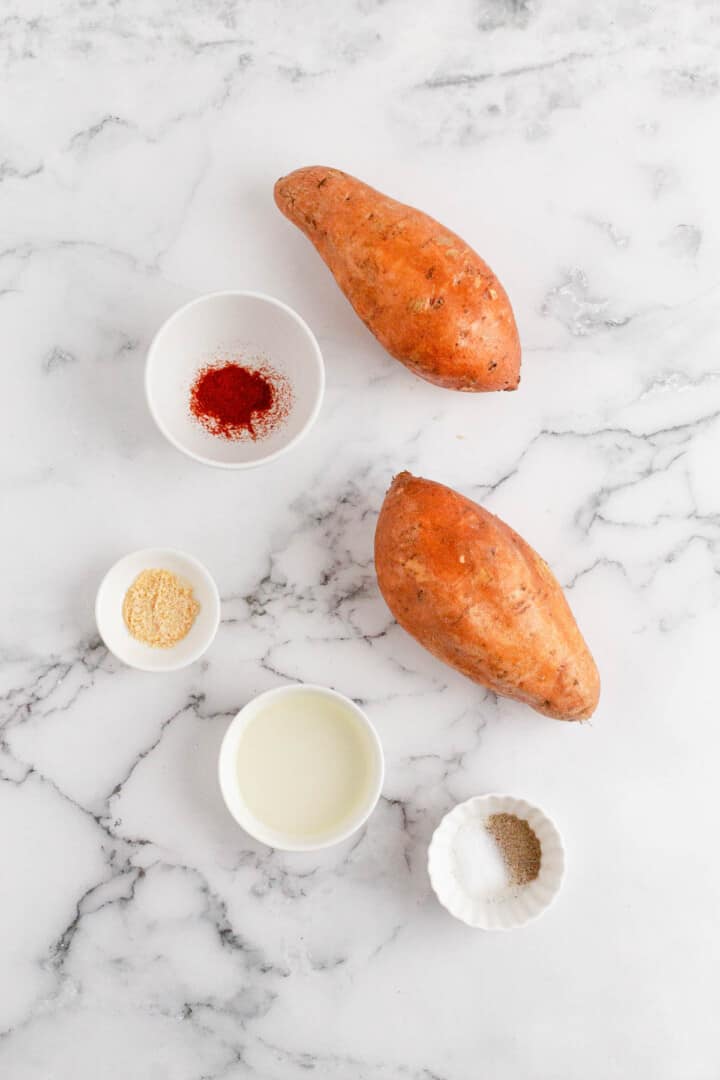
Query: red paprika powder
{"type": "Point", "coordinates": [237, 402]}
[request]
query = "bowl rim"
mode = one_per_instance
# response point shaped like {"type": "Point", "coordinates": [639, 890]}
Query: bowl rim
{"type": "Point", "coordinates": [273, 302]}
{"type": "Point", "coordinates": [438, 839]}
{"type": "Point", "coordinates": [201, 649]}
{"type": "Point", "coordinates": [230, 790]}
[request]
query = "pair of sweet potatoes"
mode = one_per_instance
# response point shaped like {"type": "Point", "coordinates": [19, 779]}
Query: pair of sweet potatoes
{"type": "Point", "coordinates": [456, 577]}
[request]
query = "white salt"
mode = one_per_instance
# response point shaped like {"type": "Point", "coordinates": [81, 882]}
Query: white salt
{"type": "Point", "coordinates": [477, 863]}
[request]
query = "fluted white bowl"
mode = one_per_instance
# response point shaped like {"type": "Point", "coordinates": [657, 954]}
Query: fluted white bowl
{"type": "Point", "coordinates": [494, 908]}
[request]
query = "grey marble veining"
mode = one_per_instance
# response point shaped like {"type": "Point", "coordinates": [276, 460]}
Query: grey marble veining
{"type": "Point", "coordinates": [141, 934]}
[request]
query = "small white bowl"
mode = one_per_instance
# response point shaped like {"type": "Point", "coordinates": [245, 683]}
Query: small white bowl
{"type": "Point", "coordinates": [230, 784]}
{"type": "Point", "coordinates": [497, 909]}
{"type": "Point", "coordinates": [242, 326]}
{"type": "Point", "coordinates": [111, 624]}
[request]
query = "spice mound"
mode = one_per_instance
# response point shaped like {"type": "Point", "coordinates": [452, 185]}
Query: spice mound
{"type": "Point", "coordinates": [518, 845]}
{"type": "Point", "coordinates": [159, 609]}
{"type": "Point", "coordinates": [237, 402]}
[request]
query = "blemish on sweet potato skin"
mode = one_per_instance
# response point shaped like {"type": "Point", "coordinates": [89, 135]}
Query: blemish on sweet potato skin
{"type": "Point", "coordinates": [431, 301]}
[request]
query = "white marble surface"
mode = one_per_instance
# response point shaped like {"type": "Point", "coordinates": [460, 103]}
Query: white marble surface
{"type": "Point", "coordinates": [576, 145]}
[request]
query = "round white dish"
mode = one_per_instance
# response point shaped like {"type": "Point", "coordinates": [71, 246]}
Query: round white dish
{"type": "Point", "coordinates": [230, 784]}
{"type": "Point", "coordinates": [243, 326]}
{"type": "Point", "coordinates": [111, 624]}
{"type": "Point", "coordinates": [503, 908]}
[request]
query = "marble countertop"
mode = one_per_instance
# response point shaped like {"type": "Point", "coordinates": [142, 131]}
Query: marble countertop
{"type": "Point", "coordinates": [142, 935]}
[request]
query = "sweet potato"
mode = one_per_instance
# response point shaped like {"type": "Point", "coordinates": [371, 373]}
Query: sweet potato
{"type": "Point", "coordinates": [477, 596]}
{"type": "Point", "coordinates": [428, 298]}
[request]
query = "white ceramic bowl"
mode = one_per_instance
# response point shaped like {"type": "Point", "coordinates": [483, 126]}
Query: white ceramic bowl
{"type": "Point", "coordinates": [230, 786]}
{"type": "Point", "coordinates": [502, 908]}
{"type": "Point", "coordinates": [242, 326]}
{"type": "Point", "coordinates": [109, 616]}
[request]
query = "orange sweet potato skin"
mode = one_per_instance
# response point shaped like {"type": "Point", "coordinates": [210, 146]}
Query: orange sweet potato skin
{"type": "Point", "coordinates": [428, 298]}
{"type": "Point", "coordinates": [469, 589]}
